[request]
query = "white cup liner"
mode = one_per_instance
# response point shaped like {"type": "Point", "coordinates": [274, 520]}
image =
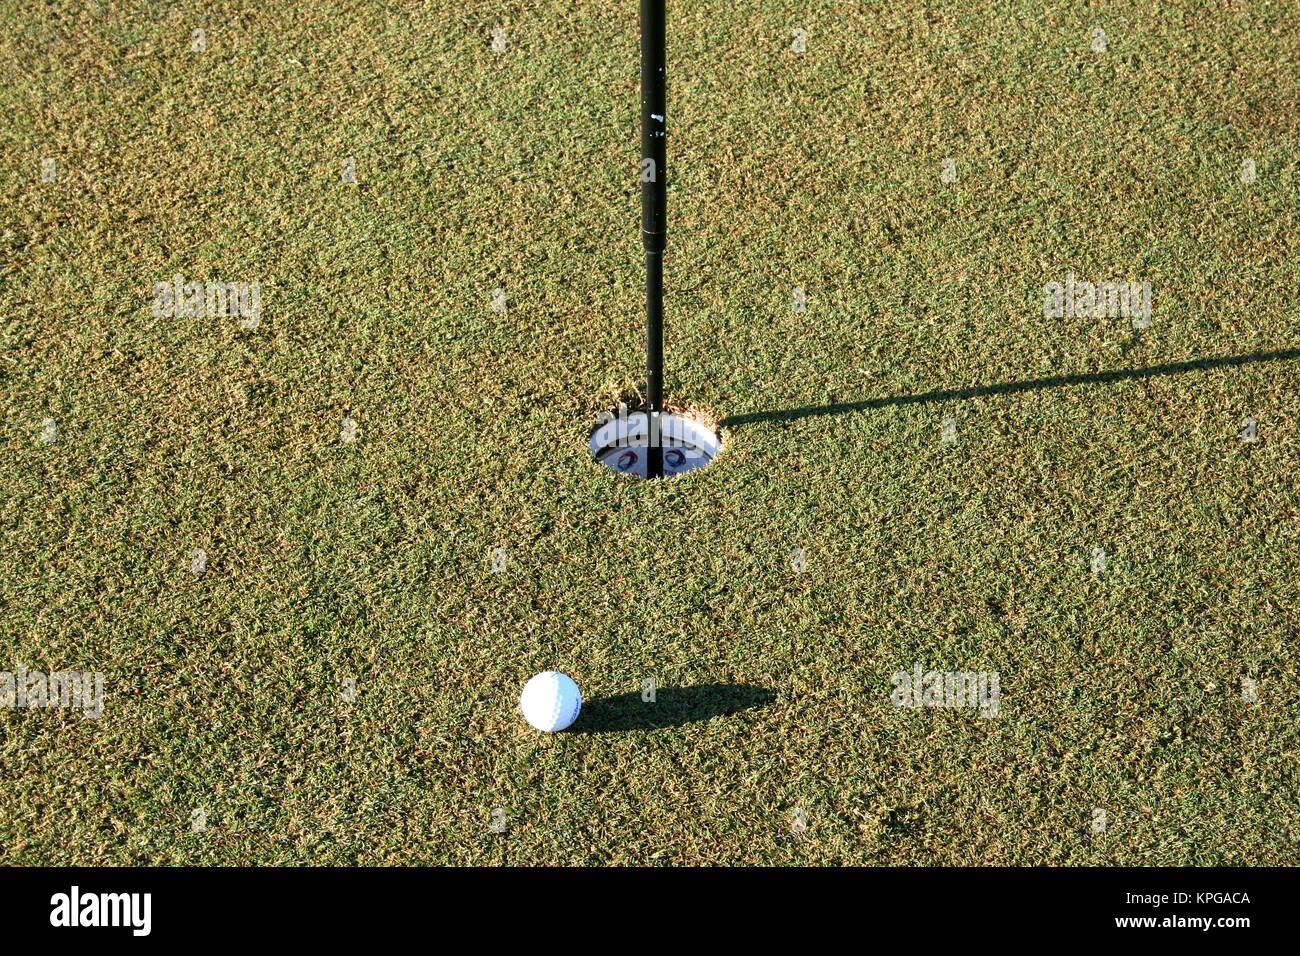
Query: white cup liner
{"type": "Point", "coordinates": [621, 444]}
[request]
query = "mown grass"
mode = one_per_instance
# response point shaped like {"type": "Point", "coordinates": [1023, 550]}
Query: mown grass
{"type": "Point", "coordinates": [370, 560]}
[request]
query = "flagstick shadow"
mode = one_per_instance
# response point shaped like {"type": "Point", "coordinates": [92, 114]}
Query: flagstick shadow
{"type": "Point", "coordinates": [1010, 388]}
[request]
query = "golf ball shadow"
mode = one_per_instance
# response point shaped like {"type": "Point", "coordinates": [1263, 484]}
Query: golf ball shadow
{"type": "Point", "coordinates": [672, 707]}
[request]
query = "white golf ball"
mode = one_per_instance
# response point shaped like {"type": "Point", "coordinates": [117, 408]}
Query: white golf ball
{"type": "Point", "coordinates": [550, 701]}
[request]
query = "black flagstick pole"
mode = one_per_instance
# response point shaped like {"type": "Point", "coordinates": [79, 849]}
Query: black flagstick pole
{"type": "Point", "coordinates": [654, 203]}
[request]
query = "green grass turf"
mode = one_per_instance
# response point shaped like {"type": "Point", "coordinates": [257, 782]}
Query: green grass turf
{"type": "Point", "coordinates": [370, 560]}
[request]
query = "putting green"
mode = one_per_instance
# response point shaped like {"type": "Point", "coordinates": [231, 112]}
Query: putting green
{"type": "Point", "coordinates": [316, 547]}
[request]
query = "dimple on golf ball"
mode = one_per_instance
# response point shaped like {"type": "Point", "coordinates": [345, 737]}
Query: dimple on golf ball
{"type": "Point", "coordinates": [550, 701]}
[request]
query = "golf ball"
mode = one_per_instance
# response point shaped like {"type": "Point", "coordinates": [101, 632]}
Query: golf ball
{"type": "Point", "coordinates": [550, 701]}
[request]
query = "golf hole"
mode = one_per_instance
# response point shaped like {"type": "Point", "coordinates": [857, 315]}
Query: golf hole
{"type": "Point", "coordinates": [622, 444]}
